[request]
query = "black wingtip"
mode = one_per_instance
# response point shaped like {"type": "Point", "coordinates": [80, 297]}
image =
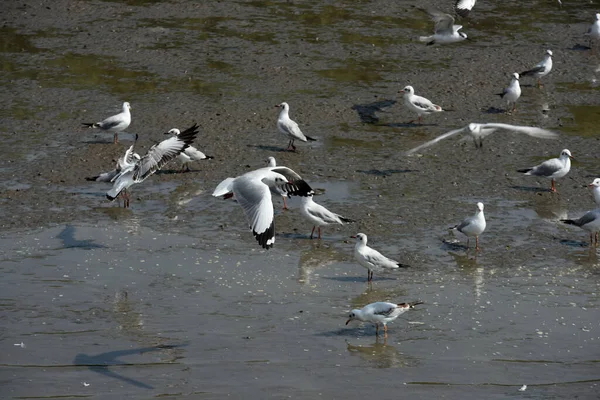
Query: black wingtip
{"type": "Point", "coordinates": [89, 125]}
{"type": "Point", "coordinates": [267, 238]}
{"type": "Point", "coordinates": [344, 219]}
{"type": "Point", "coordinates": [91, 178]}
{"type": "Point", "coordinates": [524, 170]}
{"type": "Point", "coordinates": [298, 188]}
{"type": "Point", "coordinates": [569, 221]}
{"type": "Point", "coordinates": [403, 265]}
{"type": "Point", "coordinates": [310, 138]}
{"type": "Point", "coordinates": [110, 198]}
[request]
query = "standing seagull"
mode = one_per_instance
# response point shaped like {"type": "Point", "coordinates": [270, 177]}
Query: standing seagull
{"type": "Point", "coordinates": [540, 69]}
{"type": "Point", "coordinates": [252, 191]}
{"type": "Point", "coordinates": [157, 156]}
{"type": "Point", "coordinates": [115, 124]}
{"type": "Point", "coordinates": [473, 226]}
{"type": "Point", "coordinates": [511, 93]}
{"type": "Point", "coordinates": [590, 222]}
{"type": "Point", "coordinates": [552, 169]}
{"type": "Point", "coordinates": [444, 31]}
{"type": "Point", "coordinates": [594, 31]}
{"type": "Point", "coordinates": [381, 313]}
{"type": "Point", "coordinates": [371, 259]}
{"type": "Point", "coordinates": [319, 215]}
{"type": "Point", "coordinates": [464, 7]}
{"type": "Point", "coordinates": [595, 185]}
{"type": "Point", "coordinates": [189, 155]}
{"type": "Point", "coordinates": [290, 128]}
{"type": "Point", "coordinates": [418, 104]}
{"type": "Point", "coordinates": [479, 131]}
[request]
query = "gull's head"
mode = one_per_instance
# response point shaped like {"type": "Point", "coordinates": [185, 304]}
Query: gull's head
{"type": "Point", "coordinates": [126, 106]}
{"type": "Point", "coordinates": [596, 183]}
{"type": "Point", "coordinates": [352, 316]}
{"type": "Point", "coordinates": [472, 127]}
{"type": "Point", "coordinates": [480, 207]}
{"type": "Point", "coordinates": [566, 154]}
{"type": "Point", "coordinates": [515, 76]}
{"type": "Point", "coordinates": [271, 162]}
{"type": "Point", "coordinates": [283, 105]}
{"type": "Point", "coordinates": [598, 17]}
{"type": "Point", "coordinates": [274, 179]}
{"type": "Point", "coordinates": [549, 53]}
{"type": "Point", "coordinates": [360, 238]}
{"type": "Point", "coordinates": [408, 90]}
{"type": "Point", "coordinates": [173, 131]}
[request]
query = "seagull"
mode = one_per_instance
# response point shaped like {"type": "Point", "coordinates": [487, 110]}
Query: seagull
{"type": "Point", "coordinates": [553, 168]}
{"type": "Point", "coordinates": [511, 93]}
{"type": "Point", "coordinates": [319, 215]}
{"type": "Point", "coordinates": [290, 128]}
{"type": "Point", "coordinates": [473, 226]}
{"type": "Point", "coordinates": [595, 185]}
{"type": "Point", "coordinates": [464, 7]}
{"type": "Point", "coordinates": [127, 161]}
{"type": "Point", "coordinates": [157, 156]}
{"type": "Point", "coordinates": [594, 30]}
{"type": "Point", "coordinates": [115, 124]}
{"type": "Point", "coordinates": [371, 259]}
{"type": "Point", "coordinates": [445, 31]}
{"type": "Point", "coordinates": [418, 104]}
{"type": "Point", "coordinates": [479, 131]}
{"type": "Point", "coordinates": [590, 222]}
{"type": "Point", "coordinates": [381, 313]}
{"type": "Point", "coordinates": [540, 69]}
{"type": "Point", "coordinates": [188, 155]}
{"type": "Point", "coordinates": [252, 191]}
{"type": "Point", "coordinates": [277, 190]}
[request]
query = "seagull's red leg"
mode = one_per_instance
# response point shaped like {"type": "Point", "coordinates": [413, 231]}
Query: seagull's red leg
{"type": "Point", "coordinates": [384, 330]}
{"type": "Point", "coordinates": [476, 242]}
{"type": "Point", "coordinates": [116, 138]}
{"type": "Point", "coordinates": [284, 205]}
{"type": "Point", "coordinates": [553, 189]}
{"type": "Point", "coordinates": [313, 231]}
{"type": "Point", "coordinates": [319, 232]}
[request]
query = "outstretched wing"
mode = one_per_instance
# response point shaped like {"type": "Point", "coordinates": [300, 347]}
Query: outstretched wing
{"type": "Point", "coordinates": [528, 130]}
{"type": "Point", "coordinates": [434, 141]}
{"type": "Point", "coordinates": [443, 22]}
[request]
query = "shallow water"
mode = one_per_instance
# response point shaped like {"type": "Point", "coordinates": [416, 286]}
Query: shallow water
{"type": "Point", "coordinates": [173, 298]}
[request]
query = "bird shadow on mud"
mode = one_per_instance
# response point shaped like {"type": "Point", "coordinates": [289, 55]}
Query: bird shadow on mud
{"type": "Point", "coordinates": [366, 112]}
{"type": "Point", "coordinates": [385, 172]}
{"type": "Point", "coordinates": [274, 149]}
{"type": "Point", "coordinates": [99, 363]}
{"type": "Point", "coordinates": [573, 243]}
{"type": "Point", "coordinates": [580, 47]}
{"type": "Point", "coordinates": [453, 245]}
{"type": "Point", "coordinates": [494, 110]}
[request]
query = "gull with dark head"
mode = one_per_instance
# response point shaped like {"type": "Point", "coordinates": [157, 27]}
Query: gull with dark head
{"type": "Point", "coordinates": [511, 93]}
{"type": "Point", "coordinates": [115, 124]}
{"type": "Point", "coordinates": [473, 226]}
{"type": "Point", "coordinates": [552, 169]}
{"type": "Point", "coordinates": [418, 104]}
{"type": "Point", "coordinates": [155, 159]}
{"type": "Point", "coordinates": [380, 313]}
{"type": "Point", "coordinates": [540, 69]}
{"type": "Point", "coordinates": [190, 154]}
{"type": "Point", "coordinates": [444, 31]}
{"type": "Point", "coordinates": [319, 215]}
{"type": "Point", "coordinates": [289, 127]}
{"type": "Point", "coordinates": [371, 259]}
{"type": "Point", "coordinates": [479, 131]}
{"type": "Point", "coordinates": [252, 190]}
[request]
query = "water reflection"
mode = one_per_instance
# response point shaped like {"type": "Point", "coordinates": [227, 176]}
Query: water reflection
{"type": "Point", "coordinates": [549, 208]}
{"type": "Point", "coordinates": [467, 265]}
{"type": "Point", "coordinates": [317, 256]}
{"type": "Point", "coordinates": [381, 355]}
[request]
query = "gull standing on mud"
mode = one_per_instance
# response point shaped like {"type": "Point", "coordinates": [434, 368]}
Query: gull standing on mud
{"type": "Point", "coordinates": [253, 193]}
{"type": "Point", "coordinates": [595, 185]}
{"type": "Point", "coordinates": [541, 69]}
{"type": "Point", "coordinates": [190, 154]}
{"type": "Point", "coordinates": [418, 104]}
{"type": "Point", "coordinates": [444, 31]}
{"type": "Point", "coordinates": [115, 124]}
{"type": "Point", "coordinates": [380, 313]}
{"type": "Point", "coordinates": [371, 259]}
{"type": "Point", "coordinates": [289, 127]}
{"type": "Point", "coordinates": [478, 131]}
{"type": "Point", "coordinates": [464, 7]}
{"type": "Point", "coordinates": [157, 156]}
{"type": "Point", "coordinates": [511, 93]}
{"type": "Point", "coordinates": [589, 222]}
{"type": "Point", "coordinates": [127, 161]}
{"type": "Point", "coordinates": [473, 226]}
{"type": "Point", "coordinates": [319, 215]}
{"type": "Point", "coordinates": [551, 169]}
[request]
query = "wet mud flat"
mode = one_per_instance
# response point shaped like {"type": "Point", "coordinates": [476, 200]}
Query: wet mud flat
{"type": "Point", "coordinates": [173, 297]}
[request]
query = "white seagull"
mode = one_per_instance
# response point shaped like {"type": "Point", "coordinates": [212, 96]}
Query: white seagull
{"type": "Point", "coordinates": [589, 222]}
{"type": "Point", "coordinates": [594, 31]}
{"type": "Point", "coordinates": [252, 191]}
{"type": "Point", "coordinates": [319, 215]}
{"type": "Point", "coordinates": [595, 185]}
{"type": "Point", "coordinates": [464, 7]}
{"type": "Point", "coordinates": [418, 104]}
{"type": "Point", "coordinates": [381, 313]}
{"type": "Point", "coordinates": [277, 190]}
{"type": "Point", "coordinates": [127, 161]}
{"type": "Point", "coordinates": [479, 131]}
{"type": "Point", "coordinates": [289, 127]}
{"type": "Point", "coordinates": [190, 154]}
{"type": "Point", "coordinates": [371, 259]}
{"type": "Point", "coordinates": [511, 93]}
{"type": "Point", "coordinates": [157, 156]}
{"type": "Point", "coordinates": [473, 226]}
{"type": "Point", "coordinates": [445, 31]}
{"type": "Point", "coordinates": [540, 69]}
{"type": "Point", "coordinates": [115, 124]}
{"type": "Point", "coordinates": [552, 169]}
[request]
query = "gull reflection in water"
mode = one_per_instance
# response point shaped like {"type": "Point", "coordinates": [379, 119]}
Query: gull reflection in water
{"type": "Point", "coordinates": [381, 355]}
{"type": "Point", "coordinates": [319, 255]}
{"type": "Point", "coordinates": [468, 266]}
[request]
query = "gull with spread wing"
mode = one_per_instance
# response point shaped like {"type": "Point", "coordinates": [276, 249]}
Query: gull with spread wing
{"type": "Point", "coordinates": [115, 124]}
{"type": "Point", "coordinates": [445, 31]}
{"type": "Point", "coordinates": [190, 154]}
{"type": "Point", "coordinates": [464, 7]}
{"type": "Point", "coordinates": [127, 161]}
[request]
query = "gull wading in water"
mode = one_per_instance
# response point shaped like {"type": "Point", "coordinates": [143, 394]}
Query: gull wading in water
{"type": "Point", "coordinates": [289, 127]}
{"type": "Point", "coordinates": [473, 226]}
{"type": "Point", "coordinates": [511, 93]}
{"type": "Point", "coordinates": [479, 131]}
{"type": "Point", "coordinates": [551, 169]}
{"type": "Point", "coordinates": [115, 124]}
{"type": "Point", "coordinates": [371, 259]}
{"type": "Point", "coordinates": [319, 215]}
{"type": "Point", "coordinates": [157, 156]}
{"type": "Point", "coordinates": [418, 104]}
{"type": "Point", "coordinates": [464, 7]}
{"type": "Point", "coordinates": [127, 161]}
{"type": "Point", "coordinates": [380, 313]}
{"type": "Point", "coordinates": [190, 154]}
{"type": "Point", "coordinates": [541, 69]}
{"type": "Point", "coordinates": [253, 193]}
{"type": "Point", "coordinates": [589, 222]}
{"type": "Point", "coordinates": [444, 31]}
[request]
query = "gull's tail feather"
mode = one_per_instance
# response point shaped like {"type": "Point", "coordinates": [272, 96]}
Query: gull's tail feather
{"type": "Point", "coordinates": [224, 188]}
{"type": "Point", "coordinates": [120, 184]}
{"type": "Point", "coordinates": [344, 219]}
{"type": "Point", "coordinates": [400, 265]}
{"type": "Point", "coordinates": [310, 138]}
{"type": "Point", "coordinates": [412, 304]}
{"type": "Point", "coordinates": [524, 170]}
{"type": "Point", "coordinates": [92, 178]}
{"type": "Point", "coordinates": [570, 222]}
{"type": "Point", "coordinates": [89, 124]}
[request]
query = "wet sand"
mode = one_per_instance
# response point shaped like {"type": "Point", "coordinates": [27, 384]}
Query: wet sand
{"type": "Point", "coordinates": [88, 286]}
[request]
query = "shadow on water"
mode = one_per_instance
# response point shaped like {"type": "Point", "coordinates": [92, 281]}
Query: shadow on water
{"type": "Point", "coordinates": [67, 236]}
{"type": "Point", "coordinates": [100, 362]}
{"type": "Point", "coordinates": [366, 112]}
{"type": "Point", "coordinates": [530, 188]}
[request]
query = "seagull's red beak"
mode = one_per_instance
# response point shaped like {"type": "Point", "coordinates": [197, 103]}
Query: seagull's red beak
{"type": "Point", "coordinates": [353, 237]}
